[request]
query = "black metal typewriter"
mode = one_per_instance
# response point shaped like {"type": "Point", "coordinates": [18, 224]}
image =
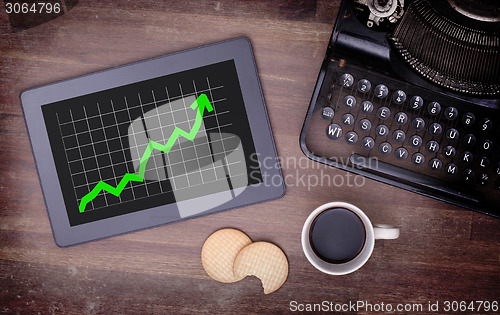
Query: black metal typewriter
{"type": "Point", "coordinates": [409, 95]}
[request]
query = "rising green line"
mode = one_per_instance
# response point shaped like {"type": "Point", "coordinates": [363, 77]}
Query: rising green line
{"type": "Point", "coordinates": [202, 102]}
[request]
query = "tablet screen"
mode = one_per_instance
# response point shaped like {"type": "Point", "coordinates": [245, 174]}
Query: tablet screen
{"type": "Point", "coordinates": [160, 141]}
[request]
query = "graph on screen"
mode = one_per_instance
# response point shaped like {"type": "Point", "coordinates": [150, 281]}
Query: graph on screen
{"type": "Point", "coordinates": [199, 106]}
{"type": "Point", "coordinates": [155, 142]}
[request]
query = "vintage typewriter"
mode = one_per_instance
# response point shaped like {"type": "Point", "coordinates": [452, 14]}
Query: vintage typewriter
{"type": "Point", "coordinates": [409, 95]}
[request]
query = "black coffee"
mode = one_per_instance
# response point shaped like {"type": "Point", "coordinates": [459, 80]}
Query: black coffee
{"type": "Point", "coordinates": [337, 235]}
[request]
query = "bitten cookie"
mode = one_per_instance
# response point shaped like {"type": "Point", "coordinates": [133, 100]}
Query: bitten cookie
{"type": "Point", "coordinates": [219, 252]}
{"type": "Point", "coordinates": [264, 260]}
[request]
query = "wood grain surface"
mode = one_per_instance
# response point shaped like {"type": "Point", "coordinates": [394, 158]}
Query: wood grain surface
{"type": "Point", "coordinates": [444, 253]}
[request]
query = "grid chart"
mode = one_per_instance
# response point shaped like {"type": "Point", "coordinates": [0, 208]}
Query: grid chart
{"type": "Point", "coordinates": [102, 137]}
{"type": "Point", "coordinates": [190, 163]}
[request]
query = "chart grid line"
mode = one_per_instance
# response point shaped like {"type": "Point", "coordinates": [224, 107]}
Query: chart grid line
{"type": "Point", "coordinates": [82, 153]}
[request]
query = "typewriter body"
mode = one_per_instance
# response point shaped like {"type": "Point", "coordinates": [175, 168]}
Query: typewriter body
{"type": "Point", "coordinates": [409, 95]}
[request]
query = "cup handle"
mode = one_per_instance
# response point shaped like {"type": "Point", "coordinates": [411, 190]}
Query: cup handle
{"type": "Point", "coordinates": [385, 231]}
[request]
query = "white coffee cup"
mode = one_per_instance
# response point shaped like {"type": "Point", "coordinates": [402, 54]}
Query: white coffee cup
{"type": "Point", "coordinates": [351, 229]}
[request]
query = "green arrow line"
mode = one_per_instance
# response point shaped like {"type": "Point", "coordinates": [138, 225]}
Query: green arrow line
{"type": "Point", "coordinates": [202, 102]}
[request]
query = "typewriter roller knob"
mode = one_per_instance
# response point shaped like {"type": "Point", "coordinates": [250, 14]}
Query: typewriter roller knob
{"type": "Point", "coordinates": [380, 11]}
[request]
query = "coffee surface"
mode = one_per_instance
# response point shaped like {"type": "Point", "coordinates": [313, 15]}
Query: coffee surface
{"type": "Point", "coordinates": [337, 235]}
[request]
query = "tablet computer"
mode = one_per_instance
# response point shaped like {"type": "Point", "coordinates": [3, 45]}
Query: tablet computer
{"type": "Point", "coordinates": [153, 142]}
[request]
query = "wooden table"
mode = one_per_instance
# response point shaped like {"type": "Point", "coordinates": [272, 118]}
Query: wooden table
{"type": "Point", "coordinates": [444, 253]}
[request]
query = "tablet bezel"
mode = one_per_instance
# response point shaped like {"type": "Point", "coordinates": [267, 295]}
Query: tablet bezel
{"type": "Point", "coordinates": [238, 49]}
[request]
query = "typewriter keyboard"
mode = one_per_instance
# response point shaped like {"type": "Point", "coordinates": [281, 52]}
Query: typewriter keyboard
{"type": "Point", "coordinates": [408, 136]}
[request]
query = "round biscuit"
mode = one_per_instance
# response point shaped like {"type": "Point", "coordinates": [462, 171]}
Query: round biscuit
{"type": "Point", "coordinates": [219, 251]}
{"type": "Point", "coordinates": [264, 260]}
